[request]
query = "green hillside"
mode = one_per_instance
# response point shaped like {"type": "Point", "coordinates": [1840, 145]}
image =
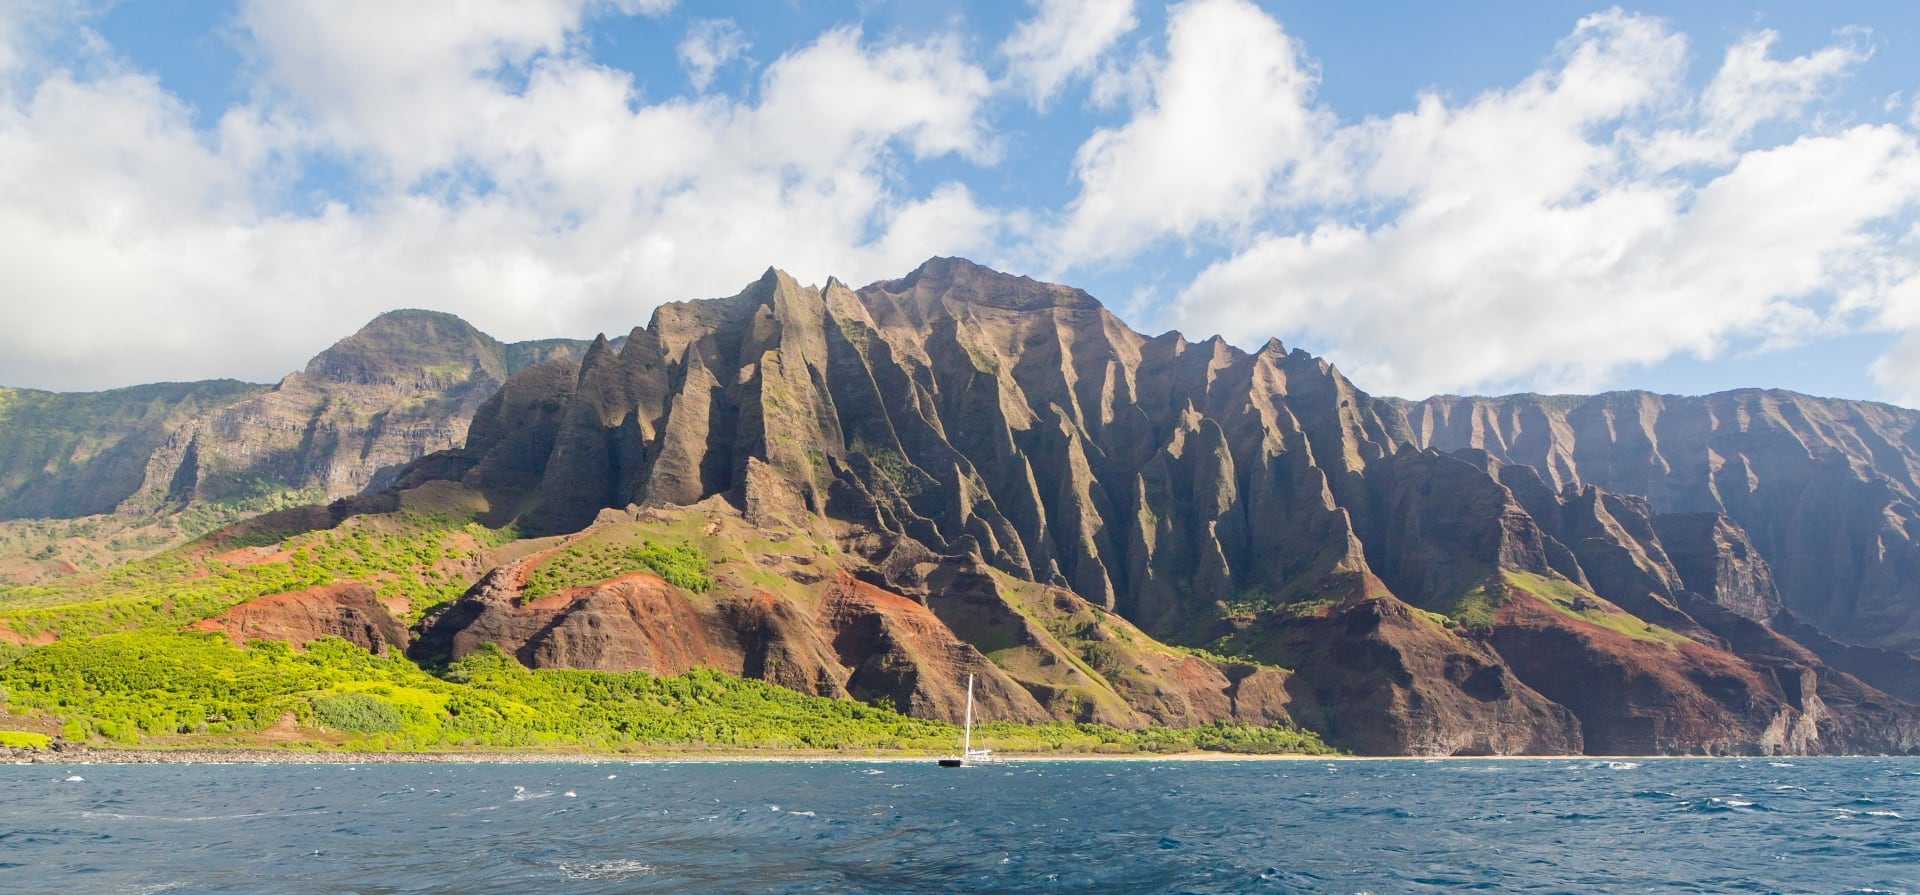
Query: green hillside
{"type": "Point", "coordinates": [109, 659]}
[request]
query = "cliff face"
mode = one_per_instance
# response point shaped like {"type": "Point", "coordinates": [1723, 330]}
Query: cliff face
{"type": "Point", "coordinates": [964, 473]}
{"type": "Point", "coordinates": [80, 454]}
{"type": "Point", "coordinates": [1826, 491]}
{"type": "Point", "coordinates": [405, 385]}
{"type": "Point", "coordinates": [961, 426]}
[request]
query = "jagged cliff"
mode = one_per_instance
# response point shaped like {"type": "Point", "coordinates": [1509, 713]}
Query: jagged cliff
{"type": "Point", "coordinates": [1827, 491]}
{"type": "Point", "coordinates": [960, 426]}
{"type": "Point", "coordinates": [963, 472]}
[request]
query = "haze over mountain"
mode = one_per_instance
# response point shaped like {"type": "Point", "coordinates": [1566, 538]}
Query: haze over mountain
{"type": "Point", "coordinates": [961, 471]}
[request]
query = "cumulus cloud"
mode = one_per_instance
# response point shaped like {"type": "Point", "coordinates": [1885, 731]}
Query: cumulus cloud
{"type": "Point", "coordinates": [709, 45]}
{"type": "Point", "coordinates": [1538, 236]}
{"type": "Point", "coordinates": [19, 22]}
{"type": "Point", "coordinates": [507, 177]}
{"type": "Point", "coordinates": [1065, 39]}
{"type": "Point", "coordinates": [1229, 114]}
{"type": "Point", "coordinates": [1751, 87]}
{"type": "Point", "coordinates": [1600, 213]}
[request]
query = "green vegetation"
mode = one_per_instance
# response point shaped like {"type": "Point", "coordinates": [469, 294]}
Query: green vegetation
{"type": "Point", "coordinates": [93, 543]}
{"type": "Point", "coordinates": [421, 559]}
{"type": "Point", "coordinates": [906, 477]}
{"type": "Point", "coordinates": [1475, 608]}
{"type": "Point", "coordinates": [23, 740]}
{"type": "Point", "coordinates": [123, 671]}
{"type": "Point", "coordinates": [124, 687]}
{"type": "Point", "coordinates": [359, 713]}
{"type": "Point", "coordinates": [1255, 617]}
{"type": "Point", "coordinates": [168, 590]}
{"type": "Point", "coordinates": [425, 560]}
{"type": "Point", "coordinates": [151, 686]}
{"type": "Point", "coordinates": [1068, 738]}
{"type": "Point", "coordinates": [588, 562]}
{"type": "Point", "coordinates": [1573, 601]}
{"type": "Point", "coordinates": [62, 453]}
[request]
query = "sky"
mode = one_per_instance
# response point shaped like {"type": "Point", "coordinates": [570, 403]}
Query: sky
{"type": "Point", "coordinates": [1470, 197]}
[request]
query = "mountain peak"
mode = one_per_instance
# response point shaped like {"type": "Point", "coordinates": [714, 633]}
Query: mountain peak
{"type": "Point", "coordinates": [962, 280]}
{"type": "Point", "coordinates": [417, 317]}
{"type": "Point", "coordinates": [398, 344]}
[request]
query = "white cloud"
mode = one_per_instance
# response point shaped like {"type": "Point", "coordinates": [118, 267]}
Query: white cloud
{"type": "Point", "coordinates": [135, 247]}
{"type": "Point", "coordinates": [1538, 237]}
{"type": "Point", "coordinates": [1598, 214]}
{"type": "Point", "coordinates": [1897, 372]}
{"type": "Point", "coordinates": [645, 7]}
{"type": "Point", "coordinates": [1229, 116]}
{"type": "Point", "coordinates": [709, 45]}
{"type": "Point", "coordinates": [1751, 87]}
{"type": "Point", "coordinates": [1064, 40]}
{"type": "Point", "coordinates": [26, 24]}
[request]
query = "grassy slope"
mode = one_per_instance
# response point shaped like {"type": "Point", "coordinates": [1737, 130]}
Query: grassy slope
{"type": "Point", "coordinates": [123, 670]}
{"type": "Point", "coordinates": [1574, 601]}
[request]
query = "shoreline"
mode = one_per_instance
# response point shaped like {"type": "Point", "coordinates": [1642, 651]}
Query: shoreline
{"type": "Point", "coordinates": [250, 756]}
{"type": "Point", "coordinates": [92, 756]}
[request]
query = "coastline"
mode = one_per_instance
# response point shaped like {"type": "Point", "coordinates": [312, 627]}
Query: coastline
{"type": "Point", "coordinates": [82, 755]}
{"type": "Point", "coordinates": [92, 756]}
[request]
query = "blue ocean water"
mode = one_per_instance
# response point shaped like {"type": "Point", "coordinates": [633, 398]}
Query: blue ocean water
{"type": "Point", "coordinates": [1576, 825]}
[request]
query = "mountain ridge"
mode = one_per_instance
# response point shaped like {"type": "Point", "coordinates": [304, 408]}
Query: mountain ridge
{"type": "Point", "coordinates": [981, 468]}
{"type": "Point", "coordinates": [959, 419]}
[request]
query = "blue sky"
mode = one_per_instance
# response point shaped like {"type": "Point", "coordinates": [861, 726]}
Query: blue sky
{"type": "Point", "coordinates": [1462, 197]}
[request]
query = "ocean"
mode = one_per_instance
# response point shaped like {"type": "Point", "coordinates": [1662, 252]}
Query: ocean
{"type": "Point", "coordinates": [1137, 826]}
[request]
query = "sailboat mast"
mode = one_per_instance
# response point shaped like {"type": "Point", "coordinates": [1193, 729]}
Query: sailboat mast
{"type": "Point", "coordinates": [966, 742]}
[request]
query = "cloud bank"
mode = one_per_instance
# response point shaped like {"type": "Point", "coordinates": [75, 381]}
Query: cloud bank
{"type": "Point", "coordinates": [1606, 212]}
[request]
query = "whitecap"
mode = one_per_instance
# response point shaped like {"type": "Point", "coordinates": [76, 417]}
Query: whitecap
{"type": "Point", "coordinates": [1895, 814]}
{"type": "Point", "coordinates": [800, 814]}
{"type": "Point", "coordinates": [76, 778]}
{"type": "Point", "coordinates": [606, 869]}
{"type": "Point", "coordinates": [188, 819]}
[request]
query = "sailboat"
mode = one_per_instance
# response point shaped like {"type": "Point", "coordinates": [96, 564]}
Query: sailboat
{"type": "Point", "coordinates": [970, 757]}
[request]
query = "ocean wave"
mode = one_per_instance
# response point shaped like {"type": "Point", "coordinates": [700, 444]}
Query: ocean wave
{"type": "Point", "coordinates": [620, 869]}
